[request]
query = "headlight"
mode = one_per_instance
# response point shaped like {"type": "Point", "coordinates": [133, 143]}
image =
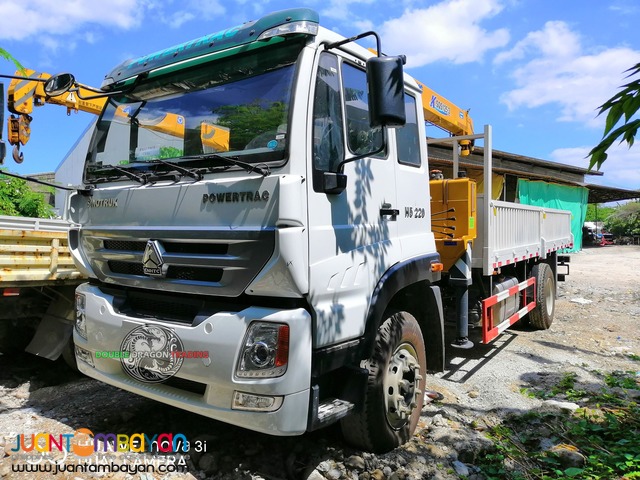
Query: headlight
{"type": "Point", "coordinates": [265, 351]}
{"type": "Point", "coordinates": [81, 317]}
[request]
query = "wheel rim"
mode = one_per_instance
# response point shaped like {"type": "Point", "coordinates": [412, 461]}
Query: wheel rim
{"type": "Point", "coordinates": [401, 382]}
{"type": "Point", "coordinates": [549, 296]}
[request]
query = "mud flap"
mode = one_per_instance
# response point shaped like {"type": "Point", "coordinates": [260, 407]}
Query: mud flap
{"type": "Point", "coordinates": [50, 338]}
{"type": "Point", "coordinates": [56, 327]}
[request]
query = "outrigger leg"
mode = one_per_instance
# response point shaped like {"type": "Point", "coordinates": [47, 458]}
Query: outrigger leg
{"type": "Point", "coordinates": [460, 277]}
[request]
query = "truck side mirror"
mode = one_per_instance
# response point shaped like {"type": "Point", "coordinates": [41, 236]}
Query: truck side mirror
{"type": "Point", "coordinates": [59, 84]}
{"type": "Point", "coordinates": [385, 78]}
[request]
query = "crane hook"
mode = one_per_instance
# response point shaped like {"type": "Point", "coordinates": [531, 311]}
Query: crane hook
{"type": "Point", "coordinates": [18, 156]}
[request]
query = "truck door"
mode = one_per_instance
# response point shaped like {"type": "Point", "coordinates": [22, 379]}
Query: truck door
{"type": "Point", "coordinates": [353, 235]}
{"type": "Point", "coordinates": [412, 183]}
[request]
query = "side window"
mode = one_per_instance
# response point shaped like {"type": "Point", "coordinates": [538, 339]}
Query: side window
{"type": "Point", "coordinates": [408, 137]}
{"type": "Point", "coordinates": [361, 138]}
{"type": "Point", "coordinates": [328, 137]}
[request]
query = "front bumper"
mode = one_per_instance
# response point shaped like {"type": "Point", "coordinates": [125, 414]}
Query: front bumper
{"type": "Point", "coordinates": [214, 379]}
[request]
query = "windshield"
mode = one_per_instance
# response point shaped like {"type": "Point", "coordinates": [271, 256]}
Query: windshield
{"type": "Point", "coordinates": [236, 108]}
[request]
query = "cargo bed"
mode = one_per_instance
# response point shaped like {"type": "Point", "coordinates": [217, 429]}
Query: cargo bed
{"type": "Point", "coordinates": [517, 232]}
{"type": "Point", "coordinates": [34, 252]}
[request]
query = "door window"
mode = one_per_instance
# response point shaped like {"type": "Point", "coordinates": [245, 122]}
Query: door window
{"type": "Point", "coordinates": [408, 137]}
{"type": "Point", "coordinates": [328, 131]}
{"type": "Point", "coordinates": [361, 137]}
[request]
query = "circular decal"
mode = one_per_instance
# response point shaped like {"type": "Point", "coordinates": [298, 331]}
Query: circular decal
{"type": "Point", "coordinates": [272, 144]}
{"type": "Point", "coordinates": [151, 356]}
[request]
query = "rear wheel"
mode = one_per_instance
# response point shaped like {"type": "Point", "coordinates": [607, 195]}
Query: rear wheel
{"type": "Point", "coordinates": [541, 317]}
{"type": "Point", "coordinates": [395, 388]}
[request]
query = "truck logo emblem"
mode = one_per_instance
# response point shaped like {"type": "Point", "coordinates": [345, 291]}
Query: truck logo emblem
{"type": "Point", "coordinates": [151, 353]}
{"type": "Point", "coordinates": [103, 202]}
{"type": "Point", "coordinates": [152, 261]}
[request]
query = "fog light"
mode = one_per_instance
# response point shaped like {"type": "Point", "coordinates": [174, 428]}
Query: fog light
{"type": "Point", "coordinates": [265, 351]}
{"type": "Point", "coordinates": [85, 356]}
{"type": "Point", "coordinates": [256, 403]}
{"type": "Point", "coordinates": [81, 317]}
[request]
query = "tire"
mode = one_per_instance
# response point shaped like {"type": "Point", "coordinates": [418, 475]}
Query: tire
{"type": "Point", "coordinates": [541, 317]}
{"type": "Point", "coordinates": [394, 395]}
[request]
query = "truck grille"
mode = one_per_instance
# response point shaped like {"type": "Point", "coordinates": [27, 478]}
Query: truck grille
{"type": "Point", "coordinates": [197, 274]}
{"type": "Point", "coordinates": [211, 262]}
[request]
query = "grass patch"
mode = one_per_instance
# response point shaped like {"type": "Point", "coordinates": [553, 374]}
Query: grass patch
{"type": "Point", "coordinates": [599, 441]}
{"type": "Point", "coordinates": [565, 388]}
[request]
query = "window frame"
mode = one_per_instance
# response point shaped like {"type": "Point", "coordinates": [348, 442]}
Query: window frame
{"type": "Point", "coordinates": [410, 96]}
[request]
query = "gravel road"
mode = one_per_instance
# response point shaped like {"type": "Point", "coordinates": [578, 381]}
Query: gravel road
{"type": "Point", "coordinates": [595, 329]}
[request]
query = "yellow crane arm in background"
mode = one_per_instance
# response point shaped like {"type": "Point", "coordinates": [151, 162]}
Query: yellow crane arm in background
{"type": "Point", "coordinates": [24, 95]}
{"type": "Point", "coordinates": [448, 116]}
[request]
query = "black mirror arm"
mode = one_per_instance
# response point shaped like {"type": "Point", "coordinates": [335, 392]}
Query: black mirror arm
{"type": "Point", "coordinates": [358, 37]}
{"type": "Point", "coordinates": [340, 168]}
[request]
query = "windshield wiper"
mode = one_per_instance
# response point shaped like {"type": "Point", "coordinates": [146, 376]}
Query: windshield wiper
{"type": "Point", "coordinates": [194, 173]}
{"type": "Point", "coordinates": [142, 179]}
{"type": "Point", "coordinates": [264, 171]}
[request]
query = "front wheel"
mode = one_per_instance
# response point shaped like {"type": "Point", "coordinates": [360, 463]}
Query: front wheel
{"type": "Point", "coordinates": [395, 387]}
{"type": "Point", "coordinates": [541, 317]}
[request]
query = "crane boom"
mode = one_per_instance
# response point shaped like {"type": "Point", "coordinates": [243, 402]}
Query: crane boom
{"type": "Point", "coordinates": [27, 92]}
{"type": "Point", "coordinates": [448, 116]}
{"type": "Point", "coordinates": [24, 95]}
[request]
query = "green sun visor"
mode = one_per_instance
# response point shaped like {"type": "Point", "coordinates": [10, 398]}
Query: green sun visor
{"type": "Point", "coordinates": [295, 21]}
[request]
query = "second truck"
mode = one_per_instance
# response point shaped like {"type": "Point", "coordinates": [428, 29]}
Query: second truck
{"type": "Point", "coordinates": [301, 273]}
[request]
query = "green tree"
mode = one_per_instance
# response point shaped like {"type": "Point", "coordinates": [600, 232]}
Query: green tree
{"type": "Point", "coordinates": [625, 220]}
{"type": "Point", "coordinates": [7, 56]}
{"type": "Point", "coordinates": [597, 213]}
{"type": "Point", "coordinates": [17, 199]}
{"type": "Point", "coordinates": [248, 121]}
{"type": "Point", "coordinates": [626, 102]}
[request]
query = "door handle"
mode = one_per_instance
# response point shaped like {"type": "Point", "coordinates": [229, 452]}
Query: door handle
{"type": "Point", "coordinates": [387, 210]}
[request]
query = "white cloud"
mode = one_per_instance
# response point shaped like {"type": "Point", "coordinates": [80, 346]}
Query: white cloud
{"type": "Point", "coordinates": [190, 10]}
{"type": "Point", "coordinates": [32, 18]}
{"type": "Point", "coordinates": [207, 9]}
{"type": "Point", "coordinates": [450, 30]}
{"type": "Point", "coordinates": [554, 41]}
{"type": "Point", "coordinates": [178, 19]}
{"type": "Point", "coordinates": [558, 71]}
{"type": "Point", "coordinates": [624, 7]}
{"type": "Point", "coordinates": [340, 9]}
{"type": "Point", "coordinates": [621, 169]}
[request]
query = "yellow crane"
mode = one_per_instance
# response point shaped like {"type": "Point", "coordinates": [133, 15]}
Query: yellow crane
{"type": "Point", "coordinates": [448, 116]}
{"type": "Point", "coordinates": [26, 93]}
{"type": "Point", "coordinates": [453, 201]}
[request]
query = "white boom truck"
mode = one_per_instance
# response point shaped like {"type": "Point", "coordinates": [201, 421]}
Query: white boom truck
{"type": "Point", "coordinates": [296, 276]}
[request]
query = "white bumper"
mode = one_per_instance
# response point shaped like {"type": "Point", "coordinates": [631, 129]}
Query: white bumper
{"type": "Point", "coordinates": [221, 335]}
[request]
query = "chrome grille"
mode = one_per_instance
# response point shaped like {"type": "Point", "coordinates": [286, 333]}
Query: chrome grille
{"type": "Point", "coordinates": [213, 262]}
{"type": "Point", "coordinates": [126, 268]}
{"type": "Point", "coordinates": [125, 245]}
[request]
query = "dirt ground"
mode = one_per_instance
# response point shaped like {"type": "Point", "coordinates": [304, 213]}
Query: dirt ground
{"type": "Point", "coordinates": [595, 330]}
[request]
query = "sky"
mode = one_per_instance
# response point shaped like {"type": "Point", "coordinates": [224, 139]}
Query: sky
{"type": "Point", "coordinates": [536, 70]}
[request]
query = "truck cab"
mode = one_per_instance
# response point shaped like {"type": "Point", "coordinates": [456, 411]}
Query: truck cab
{"type": "Point", "coordinates": [256, 227]}
{"type": "Point", "coordinates": [269, 259]}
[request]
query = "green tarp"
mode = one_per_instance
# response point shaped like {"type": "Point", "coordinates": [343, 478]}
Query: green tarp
{"type": "Point", "coordinates": [562, 197]}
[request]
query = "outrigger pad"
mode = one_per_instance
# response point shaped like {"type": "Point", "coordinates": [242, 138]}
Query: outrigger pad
{"type": "Point", "coordinates": [462, 343]}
